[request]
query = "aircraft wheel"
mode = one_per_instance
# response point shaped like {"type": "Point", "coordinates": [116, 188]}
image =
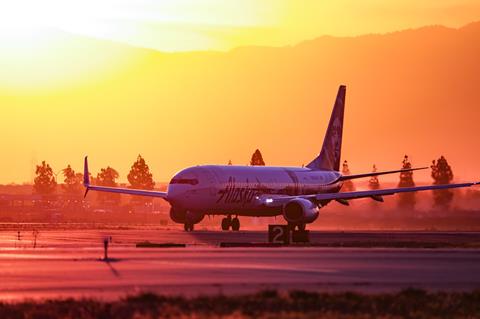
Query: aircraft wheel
{"type": "Point", "coordinates": [226, 224]}
{"type": "Point", "coordinates": [301, 227]}
{"type": "Point", "coordinates": [291, 227]}
{"type": "Point", "coordinates": [188, 227]}
{"type": "Point", "coordinates": [235, 224]}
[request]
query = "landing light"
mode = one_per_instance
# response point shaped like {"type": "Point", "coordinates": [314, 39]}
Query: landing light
{"type": "Point", "coordinates": [269, 201]}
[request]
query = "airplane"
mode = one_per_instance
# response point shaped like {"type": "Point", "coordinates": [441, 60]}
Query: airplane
{"type": "Point", "coordinates": [296, 193]}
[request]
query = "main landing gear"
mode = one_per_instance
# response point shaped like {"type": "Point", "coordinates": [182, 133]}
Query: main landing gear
{"type": "Point", "coordinates": [188, 227]}
{"type": "Point", "coordinates": [228, 222]}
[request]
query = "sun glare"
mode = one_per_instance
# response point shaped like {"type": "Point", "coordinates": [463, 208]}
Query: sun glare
{"type": "Point", "coordinates": [37, 53]}
{"type": "Point", "coordinates": [44, 43]}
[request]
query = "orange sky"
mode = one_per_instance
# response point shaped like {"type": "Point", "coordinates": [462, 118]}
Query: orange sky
{"type": "Point", "coordinates": [184, 25]}
{"type": "Point", "coordinates": [77, 79]}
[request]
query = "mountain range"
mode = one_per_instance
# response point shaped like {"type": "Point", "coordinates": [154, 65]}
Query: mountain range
{"type": "Point", "coordinates": [412, 92]}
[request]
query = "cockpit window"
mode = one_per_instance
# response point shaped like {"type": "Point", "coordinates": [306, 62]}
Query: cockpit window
{"type": "Point", "coordinates": [189, 181]}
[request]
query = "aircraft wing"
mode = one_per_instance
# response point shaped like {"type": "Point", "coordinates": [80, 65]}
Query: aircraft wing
{"type": "Point", "coordinates": [128, 191]}
{"type": "Point", "coordinates": [118, 190]}
{"type": "Point", "coordinates": [374, 194]}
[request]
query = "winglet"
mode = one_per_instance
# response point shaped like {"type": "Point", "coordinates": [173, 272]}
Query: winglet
{"type": "Point", "coordinates": [86, 174]}
{"type": "Point", "coordinates": [86, 177]}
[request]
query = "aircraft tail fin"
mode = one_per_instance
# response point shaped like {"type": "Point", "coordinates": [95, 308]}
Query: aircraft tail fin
{"type": "Point", "coordinates": [329, 158]}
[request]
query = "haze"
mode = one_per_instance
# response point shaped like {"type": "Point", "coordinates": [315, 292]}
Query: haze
{"type": "Point", "coordinates": [79, 79]}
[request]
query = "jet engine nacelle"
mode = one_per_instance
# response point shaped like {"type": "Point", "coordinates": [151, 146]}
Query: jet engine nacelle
{"type": "Point", "coordinates": [183, 216]}
{"type": "Point", "coordinates": [300, 211]}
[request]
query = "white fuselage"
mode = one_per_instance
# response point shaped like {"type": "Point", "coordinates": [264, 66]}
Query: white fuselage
{"type": "Point", "coordinates": [235, 190]}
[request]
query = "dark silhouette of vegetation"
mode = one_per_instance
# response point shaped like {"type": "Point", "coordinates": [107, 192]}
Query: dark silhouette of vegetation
{"type": "Point", "coordinates": [72, 181]}
{"type": "Point", "coordinates": [348, 185]}
{"type": "Point", "coordinates": [257, 159]}
{"type": "Point", "coordinates": [406, 200]}
{"type": "Point", "coordinates": [230, 162]}
{"type": "Point", "coordinates": [107, 177]}
{"type": "Point", "coordinates": [140, 176]}
{"type": "Point", "coordinates": [409, 303]}
{"type": "Point", "coordinates": [373, 183]}
{"type": "Point", "coordinates": [44, 182]}
{"type": "Point", "coordinates": [442, 174]}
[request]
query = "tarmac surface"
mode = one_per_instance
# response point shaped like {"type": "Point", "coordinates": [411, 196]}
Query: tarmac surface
{"type": "Point", "coordinates": [68, 263]}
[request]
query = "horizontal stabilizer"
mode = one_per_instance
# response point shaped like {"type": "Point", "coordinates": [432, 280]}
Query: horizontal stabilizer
{"type": "Point", "coordinates": [348, 177]}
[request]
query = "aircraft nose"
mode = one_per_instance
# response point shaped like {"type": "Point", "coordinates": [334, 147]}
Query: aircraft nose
{"type": "Point", "coordinates": [181, 184]}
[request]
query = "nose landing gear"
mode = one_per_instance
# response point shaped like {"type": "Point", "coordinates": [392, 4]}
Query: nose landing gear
{"type": "Point", "coordinates": [229, 222]}
{"type": "Point", "coordinates": [226, 223]}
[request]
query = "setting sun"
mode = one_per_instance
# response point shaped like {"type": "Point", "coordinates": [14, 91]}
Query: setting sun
{"type": "Point", "coordinates": [184, 68]}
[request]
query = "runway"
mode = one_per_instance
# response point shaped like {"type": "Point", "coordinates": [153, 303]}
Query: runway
{"type": "Point", "coordinates": [66, 264]}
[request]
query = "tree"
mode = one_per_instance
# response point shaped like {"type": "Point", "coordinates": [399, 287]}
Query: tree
{"type": "Point", "coordinates": [44, 182]}
{"type": "Point", "coordinates": [348, 184]}
{"type": "Point", "coordinates": [107, 177]}
{"type": "Point", "coordinates": [230, 162]}
{"type": "Point", "coordinates": [442, 174]}
{"type": "Point", "coordinates": [406, 200]}
{"type": "Point", "coordinates": [373, 183]}
{"type": "Point", "coordinates": [257, 159]}
{"type": "Point", "coordinates": [72, 182]}
{"type": "Point", "coordinates": [140, 176]}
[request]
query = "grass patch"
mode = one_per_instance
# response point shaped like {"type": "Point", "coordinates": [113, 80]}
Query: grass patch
{"type": "Point", "coordinates": [411, 303]}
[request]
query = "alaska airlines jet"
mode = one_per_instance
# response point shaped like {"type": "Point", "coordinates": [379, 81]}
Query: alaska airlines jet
{"type": "Point", "coordinates": [297, 193]}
